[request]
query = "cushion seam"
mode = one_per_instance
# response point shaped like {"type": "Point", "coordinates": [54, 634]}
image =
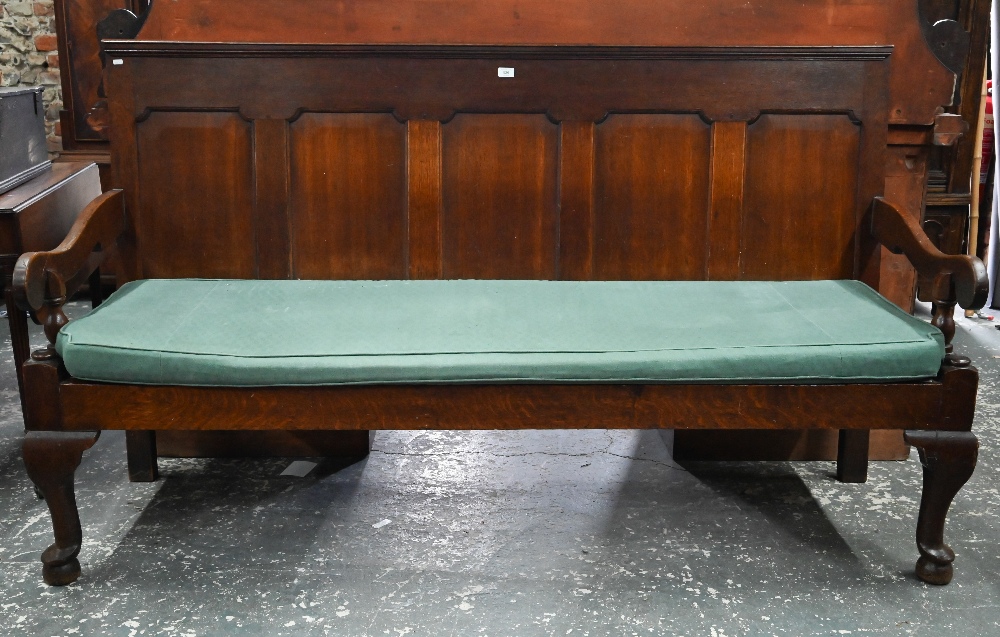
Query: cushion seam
{"type": "Point", "coordinates": [511, 352]}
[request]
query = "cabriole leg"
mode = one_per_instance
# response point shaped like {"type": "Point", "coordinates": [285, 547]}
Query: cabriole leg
{"type": "Point", "coordinates": [949, 458]}
{"type": "Point", "coordinates": [51, 458]}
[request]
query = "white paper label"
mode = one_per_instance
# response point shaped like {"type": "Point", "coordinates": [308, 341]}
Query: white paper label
{"type": "Point", "coordinates": [118, 61]}
{"type": "Point", "coordinates": [505, 71]}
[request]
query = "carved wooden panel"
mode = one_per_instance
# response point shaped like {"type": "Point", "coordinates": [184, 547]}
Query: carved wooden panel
{"type": "Point", "coordinates": [919, 83]}
{"type": "Point", "coordinates": [499, 206]}
{"type": "Point", "coordinates": [423, 174]}
{"type": "Point", "coordinates": [348, 196]}
{"type": "Point", "coordinates": [660, 188]}
{"type": "Point", "coordinates": [800, 198]}
{"type": "Point", "coordinates": [196, 172]}
{"type": "Point", "coordinates": [726, 214]}
{"type": "Point", "coordinates": [85, 117]}
{"type": "Point", "coordinates": [651, 176]}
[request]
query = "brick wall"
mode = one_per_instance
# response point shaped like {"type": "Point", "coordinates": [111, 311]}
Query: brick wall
{"type": "Point", "coordinates": [28, 56]}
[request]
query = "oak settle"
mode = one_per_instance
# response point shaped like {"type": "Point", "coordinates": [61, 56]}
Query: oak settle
{"type": "Point", "coordinates": [716, 143]}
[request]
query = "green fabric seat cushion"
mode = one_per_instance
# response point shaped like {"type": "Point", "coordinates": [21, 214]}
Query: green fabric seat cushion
{"type": "Point", "coordinates": [255, 333]}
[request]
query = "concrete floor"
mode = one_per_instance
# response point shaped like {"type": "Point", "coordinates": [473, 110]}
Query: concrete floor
{"type": "Point", "coordinates": [507, 533]}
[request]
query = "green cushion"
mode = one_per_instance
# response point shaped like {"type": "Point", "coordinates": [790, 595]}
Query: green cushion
{"type": "Point", "coordinates": [228, 333]}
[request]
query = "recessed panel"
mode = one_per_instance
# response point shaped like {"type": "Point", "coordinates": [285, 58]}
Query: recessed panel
{"type": "Point", "coordinates": [196, 201]}
{"type": "Point", "coordinates": [651, 194]}
{"type": "Point", "coordinates": [800, 211]}
{"type": "Point", "coordinates": [348, 196]}
{"type": "Point", "coordinates": [499, 218]}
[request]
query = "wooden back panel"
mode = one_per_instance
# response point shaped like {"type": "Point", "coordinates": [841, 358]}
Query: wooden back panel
{"type": "Point", "coordinates": [420, 162]}
{"type": "Point", "coordinates": [919, 30]}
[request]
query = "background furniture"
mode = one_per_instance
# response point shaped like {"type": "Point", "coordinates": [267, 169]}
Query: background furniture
{"type": "Point", "coordinates": [84, 118]}
{"type": "Point", "coordinates": [951, 169]}
{"type": "Point", "coordinates": [23, 153]}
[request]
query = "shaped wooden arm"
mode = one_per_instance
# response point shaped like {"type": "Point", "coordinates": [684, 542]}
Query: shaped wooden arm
{"type": "Point", "coordinates": [44, 280]}
{"type": "Point", "coordinates": [958, 278]}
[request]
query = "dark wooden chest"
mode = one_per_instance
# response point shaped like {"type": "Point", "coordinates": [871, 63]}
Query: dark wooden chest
{"type": "Point", "coordinates": [23, 154]}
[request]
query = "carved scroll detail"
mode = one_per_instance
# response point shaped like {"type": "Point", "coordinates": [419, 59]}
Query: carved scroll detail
{"type": "Point", "coordinates": [946, 39]}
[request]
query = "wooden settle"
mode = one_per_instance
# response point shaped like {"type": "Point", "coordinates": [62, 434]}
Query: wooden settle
{"type": "Point", "coordinates": [85, 122]}
{"type": "Point", "coordinates": [630, 141]}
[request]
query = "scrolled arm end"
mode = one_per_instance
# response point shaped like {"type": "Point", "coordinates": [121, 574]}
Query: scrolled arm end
{"type": "Point", "coordinates": [29, 281]}
{"type": "Point", "coordinates": [42, 281]}
{"type": "Point", "coordinates": [958, 279]}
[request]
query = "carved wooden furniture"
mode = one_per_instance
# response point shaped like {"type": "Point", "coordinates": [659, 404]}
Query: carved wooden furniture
{"type": "Point", "coordinates": [951, 169]}
{"type": "Point", "coordinates": [570, 144]}
{"type": "Point", "coordinates": [37, 215]}
{"type": "Point", "coordinates": [85, 120]}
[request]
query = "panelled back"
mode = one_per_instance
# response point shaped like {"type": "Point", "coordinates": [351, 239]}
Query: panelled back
{"type": "Point", "coordinates": [380, 162]}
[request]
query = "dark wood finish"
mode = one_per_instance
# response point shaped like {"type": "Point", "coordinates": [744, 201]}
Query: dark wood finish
{"type": "Point", "coordinates": [44, 280]}
{"type": "Point", "coordinates": [812, 209]}
{"type": "Point", "coordinates": [576, 200]}
{"type": "Point", "coordinates": [144, 447]}
{"type": "Point", "coordinates": [140, 450]}
{"type": "Point", "coordinates": [862, 23]}
{"type": "Point", "coordinates": [919, 84]}
{"type": "Point", "coordinates": [905, 185]}
{"type": "Point", "coordinates": [852, 455]}
{"type": "Point", "coordinates": [492, 165]}
{"type": "Point", "coordinates": [84, 118]}
{"type": "Point", "coordinates": [51, 458]}
{"type": "Point", "coordinates": [949, 458]}
{"type": "Point", "coordinates": [466, 172]}
{"type": "Point", "coordinates": [779, 444]}
{"type": "Point", "coordinates": [627, 144]}
{"type": "Point", "coordinates": [729, 147]}
{"type": "Point", "coordinates": [423, 178]}
{"type": "Point", "coordinates": [183, 153]}
{"type": "Point", "coordinates": [354, 164]}
{"type": "Point", "coordinates": [951, 279]}
{"type": "Point", "coordinates": [952, 168]}
{"type": "Point", "coordinates": [271, 223]}
{"type": "Point", "coordinates": [948, 129]}
{"type": "Point", "coordinates": [974, 15]}
{"type": "Point", "coordinates": [957, 278]}
{"type": "Point", "coordinates": [640, 198]}
{"type": "Point", "coordinates": [348, 446]}
{"type": "Point", "coordinates": [36, 216]}
{"type": "Point", "coordinates": [916, 405]}
{"type": "Point", "coordinates": [17, 321]}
